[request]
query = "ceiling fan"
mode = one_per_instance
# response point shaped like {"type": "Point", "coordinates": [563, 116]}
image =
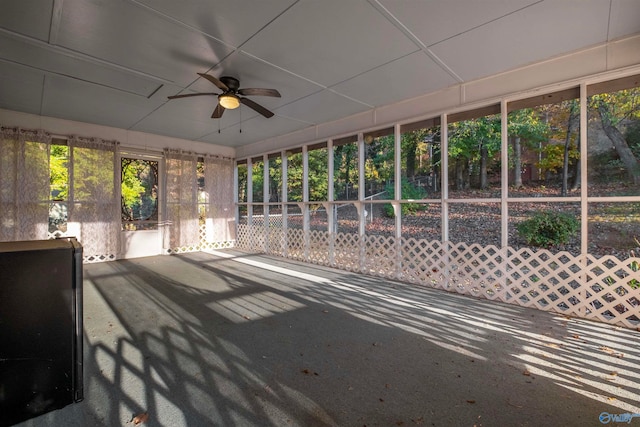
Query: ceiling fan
{"type": "Point", "coordinates": [230, 97]}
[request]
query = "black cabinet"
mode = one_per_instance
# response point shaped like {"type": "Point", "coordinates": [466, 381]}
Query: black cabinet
{"type": "Point", "coordinates": [40, 327]}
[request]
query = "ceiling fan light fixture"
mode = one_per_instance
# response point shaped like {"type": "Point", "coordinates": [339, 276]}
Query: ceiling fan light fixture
{"type": "Point", "coordinates": [229, 101]}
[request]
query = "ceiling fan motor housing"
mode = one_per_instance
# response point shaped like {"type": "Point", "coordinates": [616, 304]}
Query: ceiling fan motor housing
{"type": "Point", "coordinates": [232, 83]}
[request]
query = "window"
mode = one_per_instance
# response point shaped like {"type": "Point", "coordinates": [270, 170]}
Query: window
{"type": "Point", "coordinates": [139, 197]}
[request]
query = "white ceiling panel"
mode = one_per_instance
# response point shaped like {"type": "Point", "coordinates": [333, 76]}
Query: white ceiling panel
{"type": "Point", "coordinates": [27, 17]}
{"type": "Point", "coordinates": [52, 60]}
{"type": "Point", "coordinates": [221, 18]}
{"type": "Point", "coordinates": [72, 99]}
{"type": "Point", "coordinates": [625, 18]}
{"type": "Point", "coordinates": [312, 109]}
{"type": "Point", "coordinates": [254, 129]}
{"type": "Point", "coordinates": [255, 73]}
{"type": "Point", "coordinates": [436, 20]}
{"type": "Point", "coordinates": [134, 37]}
{"type": "Point", "coordinates": [407, 77]}
{"type": "Point", "coordinates": [540, 31]}
{"type": "Point", "coordinates": [20, 88]}
{"type": "Point", "coordinates": [330, 41]}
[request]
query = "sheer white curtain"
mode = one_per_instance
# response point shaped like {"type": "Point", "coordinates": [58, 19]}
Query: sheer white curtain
{"type": "Point", "coordinates": [181, 229]}
{"type": "Point", "coordinates": [218, 181]}
{"type": "Point", "coordinates": [24, 184]}
{"type": "Point", "coordinates": [94, 206]}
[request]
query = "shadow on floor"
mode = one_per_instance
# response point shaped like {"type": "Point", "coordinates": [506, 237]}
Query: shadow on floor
{"type": "Point", "coordinates": [235, 339]}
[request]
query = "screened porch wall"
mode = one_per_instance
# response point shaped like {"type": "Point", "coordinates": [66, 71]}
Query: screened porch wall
{"type": "Point", "coordinates": [481, 258]}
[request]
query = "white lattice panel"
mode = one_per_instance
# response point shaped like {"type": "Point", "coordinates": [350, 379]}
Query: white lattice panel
{"type": "Point", "coordinates": [295, 244]}
{"type": "Point", "coordinates": [604, 289]}
{"type": "Point", "coordinates": [319, 247]}
{"type": "Point", "coordinates": [276, 242]}
{"type": "Point", "coordinates": [347, 252]}
{"type": "Point", "coordinates": [380, 255]}
{"type": "Point", "coordinates": [422, 261]}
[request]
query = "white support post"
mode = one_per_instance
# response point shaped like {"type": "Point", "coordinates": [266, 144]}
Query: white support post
{"type": "Point", "coordinates": [331, 207]}
{"type": "Point", "coordinates": [284, 250]}
{"type": "Point", "coordinates": [305, 205]}
{"type": "Point", "coordinates": [265, 201]}
{"type": "Point", "coordinates": [360, 205]}
{"type": "Point", "coordinates": [504, 190]}
{"type": "Point", "coordinates": [584, 206]}
{"type": "Point", "coordinates": [444, 179]}
{"type": "Point", "coordinates": [250, 203]}
{"type": "Point", "coordinates": [397, 196]}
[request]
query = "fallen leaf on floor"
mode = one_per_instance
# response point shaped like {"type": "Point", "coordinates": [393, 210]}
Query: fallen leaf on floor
{"type": "Point", "coordinates": [614, 373]}
{"type": "Point", "coordinates": [308, 372]}
{"type": "Point", "coordinates": [140, 418]}
{"type": "Point", "coordinates": [611, 398]}
{"type": "Point", "coordinates": [246, 317]}
{"type": "Point", "coordinates": [471, 401]}
{"type": "Point", "coordinates": [552, 345]}
{"type": "Point", "coordinates": [526, 373]}
{"type": "Point", "coordinates": [611, 352]}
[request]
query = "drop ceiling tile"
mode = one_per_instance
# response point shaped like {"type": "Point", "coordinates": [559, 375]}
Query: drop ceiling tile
{"type": "Point", "coordinates": [313, 108]}
{"type": "Point", "coordinates": [436, 20]}
{"type": "Point", "coordinates": [132, 36]}
{"type": "Point", "coordinates": [27, 17]}
{"type": "Point", "coordinates": [221, 18]}
{"type": "Point", "coordinates": [519, 39]}
{"type": "Point", "coordinates": [407, 77]}
{"type": "Point", "coordinates": [330, 41]}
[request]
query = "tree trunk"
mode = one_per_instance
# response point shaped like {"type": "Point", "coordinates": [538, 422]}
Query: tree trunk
{"type": "Point", "coordinates": [484, 153]}
{"type": "Point", "coordinates": [576, 169]}
{"type": "Point", "coordinates": [411, 158]}
{"type": "Point", "coordinates": [459, 174]}
{"type": "Point", "coordinates": [571, 126]}
{"type": "Point", "coordinates": [517, 162]}
{"type": "Point", "coordinates": [620, 144]}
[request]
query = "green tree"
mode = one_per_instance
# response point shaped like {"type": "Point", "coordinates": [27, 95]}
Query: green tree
{"type": "Point", "coordinates": [344, 163]}
{"type": "Point", "coordinates": [525, 129]}
{"type": "Point", "coordinates": [59, 172]}
{"type": "Point", "coordinates": [473, 143]}
{"type": "Point", "coordinates": [613, 110]}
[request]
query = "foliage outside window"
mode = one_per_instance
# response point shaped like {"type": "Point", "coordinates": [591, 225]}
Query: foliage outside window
{"type": "Point", "coordinates": [59, 189]}
{"type": "Point", "coordinates": [139, 193]}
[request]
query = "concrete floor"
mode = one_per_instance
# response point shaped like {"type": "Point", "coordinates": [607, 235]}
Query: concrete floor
{"type": "Point", "coordinates": [233, 339]}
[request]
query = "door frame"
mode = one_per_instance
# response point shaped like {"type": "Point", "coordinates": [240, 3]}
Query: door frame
{"type": "Point", "coordinates": [142, 243]}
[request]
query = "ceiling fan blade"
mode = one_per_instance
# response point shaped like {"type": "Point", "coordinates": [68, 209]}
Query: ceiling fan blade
{"type": "Point", "coordinates": [215, 81]}
{"type": "Point", "coordinates": [256, 91]}
{"type": "Point", "coordinates": [187, 95]}
{"type": "Point", "coordinates": [217, 113]}
{"type": "Point", "coordinates": [259, 108]}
